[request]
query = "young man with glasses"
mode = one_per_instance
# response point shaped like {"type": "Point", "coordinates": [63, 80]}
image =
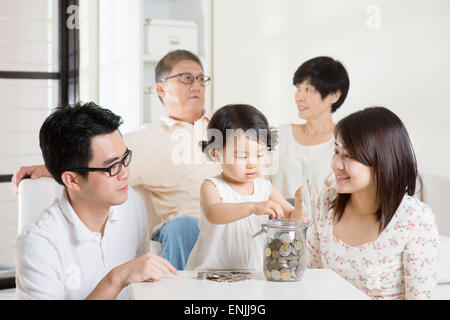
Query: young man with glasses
{"type": "Point", "coordinates": [173, 187]}
{"type": "Point", "coordinates": [94, 240]}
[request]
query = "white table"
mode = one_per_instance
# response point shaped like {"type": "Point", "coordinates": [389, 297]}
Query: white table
{"type": "Point", "coordinates": [316, 284]}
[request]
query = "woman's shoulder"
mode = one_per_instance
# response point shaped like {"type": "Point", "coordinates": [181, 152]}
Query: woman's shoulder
{"type": "Point", "coordinates": [414, 217]}
{"type": "Point", "coordinates": [416, 210]}
{"type": "Point", "coordinates": [326, 196]}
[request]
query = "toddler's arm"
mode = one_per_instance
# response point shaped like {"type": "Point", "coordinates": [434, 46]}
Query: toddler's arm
{"type": "Point", "coordinates": [219, 212]}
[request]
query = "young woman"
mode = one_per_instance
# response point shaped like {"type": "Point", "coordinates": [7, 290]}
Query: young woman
{"type": "Point", "coordinates": [371, 230]}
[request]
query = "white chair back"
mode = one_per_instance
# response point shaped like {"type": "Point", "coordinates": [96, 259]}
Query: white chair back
{"type": "Point", "coordinates": [37, 195]}
{"type": "Point", "coordinates": [34, 197]}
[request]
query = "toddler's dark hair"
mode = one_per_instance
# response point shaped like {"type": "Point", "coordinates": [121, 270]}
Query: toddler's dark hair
{"type": "Point", "coordinates": [234, 117]}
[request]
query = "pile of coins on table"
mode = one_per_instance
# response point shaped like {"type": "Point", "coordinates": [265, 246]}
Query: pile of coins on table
{"type": "Point", "coordinates": [224, 276]}
{"type": "Point", "coordinates": [284, 257]}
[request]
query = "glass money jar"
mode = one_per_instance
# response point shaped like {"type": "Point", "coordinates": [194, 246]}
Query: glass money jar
{"type": "Point", "coordinates": [284, 250]}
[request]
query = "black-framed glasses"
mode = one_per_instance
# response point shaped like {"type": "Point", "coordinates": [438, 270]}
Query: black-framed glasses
{"type": "Point", "coordinates": [188, 78]}
{"type": "Point", "coordinates": [113, 169]}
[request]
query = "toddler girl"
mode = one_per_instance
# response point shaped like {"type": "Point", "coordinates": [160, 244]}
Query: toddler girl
{"type": "Point", "coordinates": [239, 200]}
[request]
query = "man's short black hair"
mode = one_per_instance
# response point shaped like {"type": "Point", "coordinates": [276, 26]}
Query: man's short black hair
{"type": "Point", "coordinates": [65, 136]}
{"type": "Point", "coordinates": [326, 75]}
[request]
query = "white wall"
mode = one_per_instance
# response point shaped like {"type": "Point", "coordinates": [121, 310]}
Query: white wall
{"type": "Point", "coordinates": [89, 39]}
{"type": "Point", "coordinates": [404, 65]}
{"type": "Point", "coordinates": [120, 60]}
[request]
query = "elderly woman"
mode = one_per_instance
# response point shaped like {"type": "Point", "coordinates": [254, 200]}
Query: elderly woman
{"type": "Point", "coordinates": [305, 150]}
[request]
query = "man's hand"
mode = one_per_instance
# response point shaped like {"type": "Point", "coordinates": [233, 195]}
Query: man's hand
{"type": "Point", "coordinates": [147, 267]}
{"type": "Point", "coordinates": [33, 172]}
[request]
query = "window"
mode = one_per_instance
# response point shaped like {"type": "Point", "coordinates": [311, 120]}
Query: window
{"type": "Point", "coordinates": [39, 62]}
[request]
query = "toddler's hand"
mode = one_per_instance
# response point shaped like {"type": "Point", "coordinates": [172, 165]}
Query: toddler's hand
{"type": "Point", "coordinates": [269, 207]}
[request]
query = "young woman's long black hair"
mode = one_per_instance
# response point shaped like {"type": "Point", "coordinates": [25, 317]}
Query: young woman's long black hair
{"type": "Point", "coordinates": [376, 137]}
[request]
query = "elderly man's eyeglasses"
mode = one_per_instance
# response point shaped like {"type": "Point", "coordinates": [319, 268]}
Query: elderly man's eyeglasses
{"type": "Point", "coordinates": [188, 78]}
{"type": "Point", "coordinates": [113, 169]}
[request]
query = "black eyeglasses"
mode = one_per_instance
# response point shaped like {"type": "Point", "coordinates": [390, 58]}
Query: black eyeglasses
{"type": "Point", "coordinates": [113, 169]}
{"type": "Point", "coordinates": [188, 78]}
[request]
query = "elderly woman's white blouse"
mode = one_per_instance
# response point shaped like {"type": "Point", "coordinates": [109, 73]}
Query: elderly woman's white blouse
{"type": "Point", "coordinates": [297, 162]}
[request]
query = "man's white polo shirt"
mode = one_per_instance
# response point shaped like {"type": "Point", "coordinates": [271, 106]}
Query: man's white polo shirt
{"type": "Point", "coordinates": [58, 257]}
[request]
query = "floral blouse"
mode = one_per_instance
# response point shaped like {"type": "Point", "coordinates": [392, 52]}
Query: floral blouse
{"type": "Point", "coordinates": [400, 264]}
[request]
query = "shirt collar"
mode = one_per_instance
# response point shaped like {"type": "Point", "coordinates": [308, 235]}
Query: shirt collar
{"type": "Point", "coordinates": [81, 231]}
{"type": "Point", "coordinates": [171, 122]}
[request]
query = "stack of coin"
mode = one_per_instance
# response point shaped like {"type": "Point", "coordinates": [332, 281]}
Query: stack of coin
{"type": "Point", "coordinates": [284, 257]}
{"type": "Point", "coordinates": [224, 276]}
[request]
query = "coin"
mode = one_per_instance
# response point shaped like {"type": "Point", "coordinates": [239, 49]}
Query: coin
{"type": "Point", "coordinates": [275, 254]}
{"type": "Point", "coordinates": [285, 275]}
{"type": "Point", "coordinates": [275, 265]}
{"type": "Point", "coordinates": [225, 276]}
{"type": "Point", "coordinates": [287, 237]}
{"type": "Point", "coordinates": [275, 274]}
{"type": "Point", "coordinates": [268, 252]}
{"type": "Point", "coordinates": [275, 244]}
{"type": "Point", "coordinates": [293, 251]}
{"type": "Point", "coordinates": [293, 263]}
{"type": "Point", "coordinates": [285, 250]}
{"type": "Point", "coordinates": [298, 245]}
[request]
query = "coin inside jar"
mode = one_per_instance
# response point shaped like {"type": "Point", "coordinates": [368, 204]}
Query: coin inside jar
{"type": "Point", "coordinates": [293, 263]}
{"type": "Point", "coordinates": [287, 237]}
{"type": "Point", "coordinates": [285, 250]}
{"type": "Point", "coordinates": [285, 275]}
{"type": "Point", "coordinates": [284, 258]}
{"type": "Point", "coordinates": [276, 275]}
{"type": "Point", "coordinates": [298, 245]}
{"type": "Point", "coordinates": [275, 244]}
{"type": "Point", "coordinates": [275, 254]}
{"type": "Point", "coordinates": [276, 265]}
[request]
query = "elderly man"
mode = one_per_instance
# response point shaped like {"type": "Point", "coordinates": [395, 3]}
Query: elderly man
{"type": "Point", "coordinates": [167, 159]}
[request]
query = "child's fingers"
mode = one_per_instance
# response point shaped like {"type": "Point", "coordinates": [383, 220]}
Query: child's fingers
{"type": "Point", "coordinates": [271, 212]}
{"type": "Point", "coordinates": [277, 209]}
